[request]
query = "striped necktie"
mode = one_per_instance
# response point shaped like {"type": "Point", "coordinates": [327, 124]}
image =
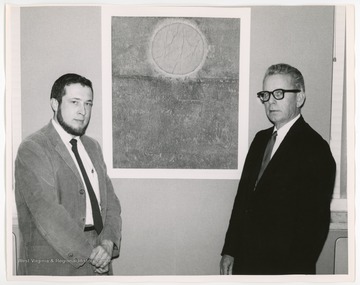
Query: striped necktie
{"type": "Point", "coordinates": [267, 155]}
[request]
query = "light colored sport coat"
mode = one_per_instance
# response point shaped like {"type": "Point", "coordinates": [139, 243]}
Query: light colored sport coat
{"type": "Point", "coordinates": [50, 200]}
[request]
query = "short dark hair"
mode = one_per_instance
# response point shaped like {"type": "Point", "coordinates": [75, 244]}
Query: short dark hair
{"type": "Point", "coordinates": [58, 89]}
{"type": "Point", "coordinates": [286, 69]}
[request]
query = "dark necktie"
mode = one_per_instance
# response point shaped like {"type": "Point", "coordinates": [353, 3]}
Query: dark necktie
{"type": "Point", "coordinates": [267, 154]}
{"type": "Point", "coordinates": [94, 202]}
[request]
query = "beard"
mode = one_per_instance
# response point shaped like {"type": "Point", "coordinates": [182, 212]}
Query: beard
{"type": "Point", "coordinates": [69, 129]}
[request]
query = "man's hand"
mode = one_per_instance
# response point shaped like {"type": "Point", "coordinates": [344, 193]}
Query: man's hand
{"type": "Point", "coordinates": [101, 270]}
{"type": "Point", "coordinates": [226, 265]}
{"type": "Point", "coordinates": [101, 256]}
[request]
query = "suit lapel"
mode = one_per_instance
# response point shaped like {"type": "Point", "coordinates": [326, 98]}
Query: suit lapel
{"type": "Point", "coordinates": [286, 147]}
{"type": "Point", "coordinates": [61, 149]}
{"type": "Point", "coordinates": [290, 141]}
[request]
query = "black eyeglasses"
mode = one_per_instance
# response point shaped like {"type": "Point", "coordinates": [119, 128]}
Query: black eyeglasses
{"type": "Point", "coordinates": [278, 94]}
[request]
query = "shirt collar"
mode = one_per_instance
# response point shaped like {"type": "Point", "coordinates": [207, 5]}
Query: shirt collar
{"type": "Point", "coordinates": [285, 128]}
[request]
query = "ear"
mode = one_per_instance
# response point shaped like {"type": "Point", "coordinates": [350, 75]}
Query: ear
{"type": "Point", "coordinates": [300, 99]}
{"type": "Point", "coordinates": [54, 104]}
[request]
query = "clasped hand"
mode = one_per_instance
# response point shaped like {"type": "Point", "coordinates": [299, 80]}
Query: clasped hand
{"type": "Point", "coordinates": [101, 256]}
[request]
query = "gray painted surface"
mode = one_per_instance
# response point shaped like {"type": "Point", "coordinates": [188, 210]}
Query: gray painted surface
{"type": "Point", "coordinates": [175, 107]}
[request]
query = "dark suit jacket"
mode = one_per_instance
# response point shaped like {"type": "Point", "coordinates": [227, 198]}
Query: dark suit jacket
{"type": "Point", "coordinates": [281, 226]}
{"type": "Point", "coordinates": [50, 200]}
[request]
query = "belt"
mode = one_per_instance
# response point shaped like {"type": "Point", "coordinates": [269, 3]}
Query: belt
{"type": "Point", "coordinates": [89, 228]}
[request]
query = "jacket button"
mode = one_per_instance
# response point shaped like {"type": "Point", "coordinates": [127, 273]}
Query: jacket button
{"type": "Point", "coordinates": [70, 255]}
{"type": "Point", "coordinates": [82, 191]}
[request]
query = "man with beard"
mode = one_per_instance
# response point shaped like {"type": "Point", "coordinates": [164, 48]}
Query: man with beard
{"type": "Point", "coordinates": [69, 215]}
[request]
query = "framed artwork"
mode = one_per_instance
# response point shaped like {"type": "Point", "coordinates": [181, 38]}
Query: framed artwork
{"type": "Point", "coordinates": [176, 105]}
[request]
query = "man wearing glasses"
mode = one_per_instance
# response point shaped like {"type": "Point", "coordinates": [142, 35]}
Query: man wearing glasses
{"type": "Point", "coordinates": [281, 214]}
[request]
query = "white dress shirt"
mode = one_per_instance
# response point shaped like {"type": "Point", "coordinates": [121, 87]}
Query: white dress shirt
{"type": "Point", "coordinates": [282, 132]}
{"type": "Point", "coordinates": [89, 167]}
